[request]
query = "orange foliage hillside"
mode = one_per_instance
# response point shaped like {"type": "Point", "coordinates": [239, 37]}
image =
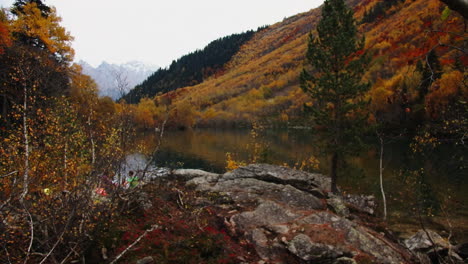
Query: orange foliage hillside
{"type": "Point", "coordinates": [261, 80]}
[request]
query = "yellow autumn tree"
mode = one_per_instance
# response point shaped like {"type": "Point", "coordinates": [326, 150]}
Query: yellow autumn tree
{"type": "Point", "coordinates": [145, 113]}
{"type": "Point", "coordinates": [47, 29]}
{"type": "Point", "coordinates": [449, 87]}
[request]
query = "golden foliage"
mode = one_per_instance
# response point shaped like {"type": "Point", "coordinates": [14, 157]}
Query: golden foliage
{"type": "Point", "coordinates": [262, 78]}
{"type": "Point", "coordinates": [47, 29]}
{"type": "Point", "coordinates": [232, 164]}
{"type": "Point", "coordinates": [446, 89]}
{"type": "Point", "coordinates": [146, 113]}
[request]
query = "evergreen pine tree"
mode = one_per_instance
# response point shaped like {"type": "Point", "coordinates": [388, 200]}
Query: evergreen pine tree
{"type": "Point", "coordinates": [333, 79]}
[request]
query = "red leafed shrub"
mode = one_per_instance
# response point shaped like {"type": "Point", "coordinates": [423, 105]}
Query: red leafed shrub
{"type": "Point", "coordinates": [186, 233]}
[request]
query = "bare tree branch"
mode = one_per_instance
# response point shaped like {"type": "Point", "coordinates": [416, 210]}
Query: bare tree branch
{"type": "Point", "coordinates": [153, 227]}
{"type": "Point", "coordinates": [8, 174]}
{"type": "Point", "coordinates": [122, 83]}
{"type": "Point", "coordinates": [7, 254]}
{"type": "Point", "coordinates": [59, 239]}
{"type": "Point", "coordinates": [31, 224]}
{"type": "Point", "coordinates": [161, 135]}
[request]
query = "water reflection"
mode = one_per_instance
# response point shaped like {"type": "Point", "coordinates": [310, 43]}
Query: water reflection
{"type": "Point", "coordinates": [432, 186]}
{"type": "Point", "coordinates": [280, 147]}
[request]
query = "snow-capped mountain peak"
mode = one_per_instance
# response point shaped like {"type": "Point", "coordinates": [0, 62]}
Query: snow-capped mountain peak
{"type": "Point", "coordinates": [112, 78]}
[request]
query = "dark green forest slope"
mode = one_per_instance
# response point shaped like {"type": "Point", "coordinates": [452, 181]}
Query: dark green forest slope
{"type": "Point", "coordinates": [192, 68]}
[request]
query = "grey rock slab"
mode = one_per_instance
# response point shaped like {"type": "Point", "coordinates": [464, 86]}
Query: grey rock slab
{"type": "Point", "coordinates": [193, 173]}
{"type": "Point", "coordinates": [260, 242]}
{"type": "Point", "coordinates": [281, 210]}
{"type": "Point", "coordinates": [357, 236]}
{"type": "Point", "coordinates": [422, 242]}
{"type": "Point", "coordinates": [204, 183]}
{"type": "Point", "coordinates": [266, 214]}
{"type": "Point", "coordinates": [250, 189]}
{"type": "Point", "coordinates": [303, 247]}
{"type": "Point", "coordinates": [281, 175]}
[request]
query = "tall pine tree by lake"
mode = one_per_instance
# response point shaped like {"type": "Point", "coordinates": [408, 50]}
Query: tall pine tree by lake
{"type": "Point", "coordinates": [333, 79]}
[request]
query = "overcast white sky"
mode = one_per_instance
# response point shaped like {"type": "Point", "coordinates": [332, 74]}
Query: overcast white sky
{"type": "Point", "coordinates": [157, 31]}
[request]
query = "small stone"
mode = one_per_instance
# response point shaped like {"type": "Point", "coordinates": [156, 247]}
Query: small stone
{"type": "Point", "coordinates": [363, 203]}
{"type": "Point", "coordinates": [338, 206]}
{"type": "Point", "coordinates": [146, 260]}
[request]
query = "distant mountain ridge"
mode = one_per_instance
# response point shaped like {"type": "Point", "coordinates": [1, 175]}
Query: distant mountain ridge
{"type": "Point", "coordinates": [109, 76]}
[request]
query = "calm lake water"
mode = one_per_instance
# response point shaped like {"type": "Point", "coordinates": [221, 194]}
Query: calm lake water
{"type": "Point", "coordinates": [432, 185]}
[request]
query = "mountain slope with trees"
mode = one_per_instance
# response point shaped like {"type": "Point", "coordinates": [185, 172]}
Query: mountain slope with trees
{"type": "Point", "coordinates": [190, 69]}
{"type": "Point", "coordinates": [62, 147]}
{"type": "Point", "coordinates": [261, 80]}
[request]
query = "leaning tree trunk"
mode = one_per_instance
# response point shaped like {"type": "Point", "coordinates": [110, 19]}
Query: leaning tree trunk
{"type": "Point", "coordinates": [381, 178]}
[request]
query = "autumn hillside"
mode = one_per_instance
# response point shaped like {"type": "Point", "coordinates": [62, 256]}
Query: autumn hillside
{"type": "Point", "coordinates": [261, 80]}
{"type": "Point", "coordinates": [190, 69]}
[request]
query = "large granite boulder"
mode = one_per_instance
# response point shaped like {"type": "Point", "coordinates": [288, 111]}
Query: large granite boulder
{"type": "Point", "coordinates": [290, 215]}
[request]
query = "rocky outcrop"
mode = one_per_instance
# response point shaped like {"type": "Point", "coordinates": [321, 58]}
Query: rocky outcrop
{"type": "Point", "coordinates": [289, 215]}
{"type": "Point", "coordinates": [430, 247]}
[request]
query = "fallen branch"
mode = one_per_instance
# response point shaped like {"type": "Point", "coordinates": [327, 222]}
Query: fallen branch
{"type": "Point", "coordinates": [7, 254]}
{"type": "Point", "coordinates": [69, 254]}
{"type": "Point", "coordinates": [153, 227]}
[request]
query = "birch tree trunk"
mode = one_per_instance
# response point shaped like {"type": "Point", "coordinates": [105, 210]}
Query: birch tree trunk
{"type": "Point", "coordinates": [26, 146]}
{"type": "Point", "coordinates": [381, 177]}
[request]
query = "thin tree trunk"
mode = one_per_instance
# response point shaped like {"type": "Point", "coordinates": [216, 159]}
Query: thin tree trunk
{"type": "Point", "coordinates": [93, 150]}
{"type": "Point", "coordinates": [381, 177]}
{"type": "Point", "coordinates": [333, 171]}
{"type": "Point", "coordinates": [93, 146]}
{"type": "Point", "coordinates": [4, 110]}
{"type": "Point", "coordinates": [161, 135]}
{"type": "Point", "coordinates": [26, 146]}
{"type": "Point", "coordinates": [65, 165]}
